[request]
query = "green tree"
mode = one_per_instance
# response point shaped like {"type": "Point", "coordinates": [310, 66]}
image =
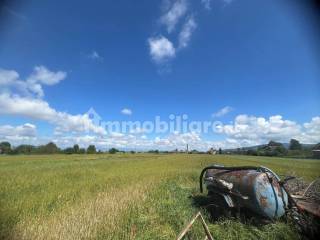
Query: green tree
{"type": "Point", "coordinates": [220, 151]}
{"type": "Point", "coordinates": [272, 149]}
{"type": "Point", "coordinates": [24, 149]}
{"type": "Point", "coordinates": [5, 147]}
{"type": "Point", "coordinates": [295, 145]}
{"type": "Point", "coordinates": [113, 150]}
{"type": "Point", "coordinates": [69, 150]}
{"type": "Point", "coordinates": [76, 148]}
{"type": "Point", "coordinates": [91, 149]}
{"type": "Point", "coordinates": [50, 148]}
{"type": "Point", "coordinates": [82, 151]}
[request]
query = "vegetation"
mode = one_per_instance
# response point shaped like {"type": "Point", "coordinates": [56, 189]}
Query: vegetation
{"type": "Point", "coordinates": [295, 145]}
{"type": "Point", "coordinates": [276, 149]}
{"type": "Point", "coordinates": [272, 149]}
{"type": "Point", "coordinates": [113, 150]}
{"type": "Point", "coordinates": [91, 149]}
{"type": "Point", "coordinates": [121, 196]}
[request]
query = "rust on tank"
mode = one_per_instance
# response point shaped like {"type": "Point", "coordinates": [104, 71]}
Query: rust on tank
{"type": "Point", "coordinates": [263, 201]}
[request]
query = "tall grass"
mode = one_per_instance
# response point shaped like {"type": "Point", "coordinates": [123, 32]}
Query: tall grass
{"type": "Point", "coordinates": [125, 196]}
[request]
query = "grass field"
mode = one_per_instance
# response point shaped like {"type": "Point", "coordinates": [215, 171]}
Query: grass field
{"type": "Point", "coordinates": [123, 196]}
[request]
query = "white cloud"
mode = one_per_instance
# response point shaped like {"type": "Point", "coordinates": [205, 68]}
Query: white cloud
{"type": "Point", "coordinates": [44, 76]}
{"type": "Point", "coordinates": [186, 32]}
{"type": "Point", "coordinates": [16, 135]}
{"type": "Point", "coordinates": [161, 49]}
{"type": "Point", "coordinates": [95, 55]}
{"type": "Point", "coordinates": [222, 111]}
{"type": "Point", "coordinates": [175, 12]}
{"type": "Point", "coordinates": [311, 133]}
{"type": "Point", "coordinates": [26, 130]}
{"type": "Point", "coordinates": [250, 130]}
{"type": "Point", "coordinates": [40, 110]}
{"type": "Point", "coordinates": [10, 80]}
{"type": "Point", "coordinates": [126, 111]}
{"type": "Point", "coordinates": [24, 103]}
{"type": "Point", "coordinates": [245, 131]}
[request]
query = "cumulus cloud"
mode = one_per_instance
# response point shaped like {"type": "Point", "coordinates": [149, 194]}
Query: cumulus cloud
{"type": "Point", "coordinates": [26, 130]}
{"type": "Point", "coordinates": [43, 75]}
{"type": "Point", "coordinates": [39, 109]}
{"type": "Point", "coordinates": [138, 142]}
{"type": "Point", "coordinates": [23, 103]}
{"type": "Point", "coordinates": [26, 133]}
{"type": "Point", "coordinates": [223, 111]}
{"type": "Point", "coordinates": [245, 131]}
{"type": "Point", "coordinates": [126, 111]}
{"type": "Point", "coordinates": [175, 12]}
{"type": "Point", "coordinates": [250, 130]}
{"type": "Point", "coordinates": [186, 32]}
{"type": "Point", "coordinates": [311, 133]}
{"type": "Point", "coordinates": [10, 80]}
{"type": "Point", "coordinates": [161, 49]}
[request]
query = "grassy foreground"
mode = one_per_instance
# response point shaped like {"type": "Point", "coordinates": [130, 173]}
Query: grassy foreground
{"type": "Point", "coordinates": [125, 196]}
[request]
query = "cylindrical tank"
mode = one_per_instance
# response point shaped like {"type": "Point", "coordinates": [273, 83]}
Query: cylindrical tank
{"type": "Point", "coordinates": [262, 192]}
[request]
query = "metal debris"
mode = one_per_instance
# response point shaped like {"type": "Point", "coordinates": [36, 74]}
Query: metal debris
{"type": "Point", "coordinates": [259, 193]}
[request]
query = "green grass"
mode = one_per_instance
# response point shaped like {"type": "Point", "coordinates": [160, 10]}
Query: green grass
{"type": "Point", "coordinates": [124, 196]}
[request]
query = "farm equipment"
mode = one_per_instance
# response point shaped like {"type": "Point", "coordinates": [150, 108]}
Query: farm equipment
{"type": "Point", "coordinates": [254, 189]}
{"type": "Point", "coordinates": [258, 193]}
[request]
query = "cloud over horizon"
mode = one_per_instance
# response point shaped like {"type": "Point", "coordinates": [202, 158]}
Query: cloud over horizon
{"type": "Point", "coordinates": [27, 101]}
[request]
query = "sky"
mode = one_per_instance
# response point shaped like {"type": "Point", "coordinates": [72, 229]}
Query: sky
{"type": "Point", "coordinates": [250, 67]}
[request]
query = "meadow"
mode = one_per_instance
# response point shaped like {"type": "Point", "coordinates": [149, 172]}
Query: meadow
{"type": "Point", "coordinates": [122, 196]}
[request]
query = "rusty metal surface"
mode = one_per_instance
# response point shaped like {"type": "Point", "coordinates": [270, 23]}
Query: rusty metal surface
{"type": "Point", "coordinates": [264, 194]}
{"type": "Point", "coordinates": [308, 206]}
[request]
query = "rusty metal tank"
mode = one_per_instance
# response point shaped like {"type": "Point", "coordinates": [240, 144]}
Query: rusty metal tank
{"type": "Point", "coordinates": [255, 188]}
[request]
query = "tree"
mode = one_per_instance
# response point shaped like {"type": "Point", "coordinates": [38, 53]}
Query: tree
{"type": "Point", "coordinates": [5, 147]}
{"type": "Point", "coordinates": [91, 149]}
{"type": "Point", "coordinates": [24, 149]}
{"type": "Point", "coordinates": [69, 150]}
{"type": "Point", "coordinates": [295, 145]}
{"type": "Point", "coordinates": [113, 150]}
{"type": "Point", "coordinates": [76, 148]}
{"type": "Point", "coordinates": [220, 151]}
{"type": "Point", "coordinates": [50, 148]}
{"type": "Point", "coordinates": [272, 149]}
{"type": "Point", "coordinates": [82, 151]}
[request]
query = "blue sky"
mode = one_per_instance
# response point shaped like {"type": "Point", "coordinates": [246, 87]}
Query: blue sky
{"type": "Point", "coordinates": [246, 60]}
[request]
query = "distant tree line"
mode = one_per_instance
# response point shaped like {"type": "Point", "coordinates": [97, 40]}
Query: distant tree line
{"type": "Point", "coordinates": [272, 149]}
{"type": "Point", "coordinates": [50, 148]}
{"type": "Point", "coordinates": [276, 149]}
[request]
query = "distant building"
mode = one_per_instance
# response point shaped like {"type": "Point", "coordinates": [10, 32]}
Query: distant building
{"type": "Point", "coordinates": [316, 154]}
